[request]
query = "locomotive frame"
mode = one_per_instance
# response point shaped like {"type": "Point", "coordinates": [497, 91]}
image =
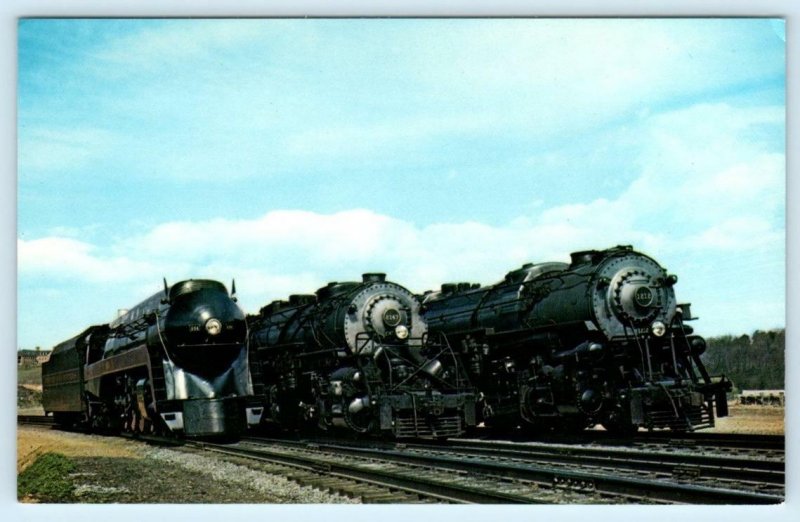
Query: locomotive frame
{"type": "Point", "coordinates": [600, 340]}
{"type": "Point", "coordinates": [356, 356]}
{"type": "Point", "coordinates": [175, 363]}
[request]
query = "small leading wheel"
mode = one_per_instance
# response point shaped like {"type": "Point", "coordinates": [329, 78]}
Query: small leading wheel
{"type": "Point", "coordinates": [619, 425]}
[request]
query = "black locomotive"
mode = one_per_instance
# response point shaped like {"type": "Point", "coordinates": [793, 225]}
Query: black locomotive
{"type": "Point", "coordinates": [356, 356]}
{"type": "Point", "coordinates": [177, 362]}
{"type": "Point", "coordinates": [600, 340]}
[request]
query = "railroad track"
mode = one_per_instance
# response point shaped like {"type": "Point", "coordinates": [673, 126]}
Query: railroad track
{"type": "Point", "coordinates": [733, 472]}
{"type": "Point", "coordinates": [39, 420]}
{"type": "Point", "coordinates": [470, 471]}
{"type": "Point", "coordinates": [733, 441]}
{"type": "Point", "coordinates": [761, 445]}
{"type": "Point", "coordinates": [372, 481]}
{"type": "Point", "coordinates": [515, 480]}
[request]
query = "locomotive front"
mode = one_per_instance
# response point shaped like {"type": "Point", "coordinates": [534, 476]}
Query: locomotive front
{"type": "Point", "coordinates": [175, 362]}
{"type": "Point", "coordinates": [597, 340]}
{"type": "Point", "coordinates": [206, 373]}
{"type": "Point", "coordinates": [196, 377]}
{"type": "Point", "coordinates": [636, 333]}
{"type": "Point", "coordinates": [356, 356]}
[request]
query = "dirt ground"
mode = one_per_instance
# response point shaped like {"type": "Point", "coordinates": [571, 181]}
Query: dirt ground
{"type": "Point", "coordinates": [767, 420]}
{"type": "Point", "coordinates": [118, 470]}
{"type": "Point", "coordinates": [35, 441]}
{"type": "Point", "coordinates": [112, 469]}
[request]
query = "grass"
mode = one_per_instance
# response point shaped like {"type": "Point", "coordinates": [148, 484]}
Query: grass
{"type": "Point", "coordinates": [29, 375]}
{"type": "Point", "coordinates": [47, 479]}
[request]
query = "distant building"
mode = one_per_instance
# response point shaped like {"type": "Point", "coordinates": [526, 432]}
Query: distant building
{"type": "Point", "coordinates": [770, 397]}
{"type": "Point", "coordinates": [32, 357]}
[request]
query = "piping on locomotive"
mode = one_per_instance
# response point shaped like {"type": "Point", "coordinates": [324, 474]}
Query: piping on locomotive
{"type": "Point", "coordinates": [355, 356]}
{"type": "Point", "coordinates": [600, 340]}
{"type": "Point", "coordinates": [176, 362]}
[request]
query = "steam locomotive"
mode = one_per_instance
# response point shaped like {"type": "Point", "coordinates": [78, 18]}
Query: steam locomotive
{"type": "Point", "coordinates": [175, 363]}
{"type": "Point", "coordinates": [356, 357]}
{"type": "Point", "coordinates": [600, 340]}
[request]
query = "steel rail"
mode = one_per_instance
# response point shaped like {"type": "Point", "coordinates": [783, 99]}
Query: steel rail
{"type": "Point", "coordinates": [600, 482]}
{"type": "Point", "coordinates": [757, 470]}
{"type": "Point", "coordinates": [698, 438]}
{"type": "Point", "coordinates": [421, 486]}
{"type": "Point", "coordinates": [722, 440]}
{"type": "Point", "coordinates": [40, 420]}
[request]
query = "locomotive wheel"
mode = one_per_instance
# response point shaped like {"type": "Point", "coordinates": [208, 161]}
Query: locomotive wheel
{"type": "Point", "coordinates": [619, 425]}
{"type": "Point", "coordinates": [102, 419]}
{"type": "Point", "coordinates": [130, 419]}
{"type": "Point", "coordinates": [571, 426]}
{"type": "Point", "coordinates": [620, 430]}
{"type": "Point", "coordinates": [504, 424]}
{"type": "Point", "coordinates": [362, 422]}
{"type": "Point", "coordinates": [138, 424]}
{"type": "Point", "coordinates": [67, 420]}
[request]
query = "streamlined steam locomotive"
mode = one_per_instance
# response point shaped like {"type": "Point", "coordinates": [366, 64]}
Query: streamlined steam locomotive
{"type": "Point", "coordinates": [356, 356]}
{"type": "Point", "coordinates": [176, 362]}
{"type": "Point", "coordinates": [600, 340]}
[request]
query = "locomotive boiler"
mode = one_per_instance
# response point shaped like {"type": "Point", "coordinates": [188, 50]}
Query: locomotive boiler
{"type": "Point", "coordinates": [356, 356]}
{"type": "Point", "coordinates": [599, 340]}
{"type": "Point", "coordinates": [176, 362]}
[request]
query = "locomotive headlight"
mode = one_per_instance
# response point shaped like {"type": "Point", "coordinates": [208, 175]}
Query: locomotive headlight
{"type": "Point", "coordinates": [213, 326]}
{"type": "Point", "coordinates": [401, 331]}
{"type": "Point", "coordinates": [658, 328]}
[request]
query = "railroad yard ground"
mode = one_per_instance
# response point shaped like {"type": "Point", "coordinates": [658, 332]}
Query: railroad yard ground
{"type": "Point", "coordinates": [752, 419]}
{"type": "Point", "coordinates": [115, 470]}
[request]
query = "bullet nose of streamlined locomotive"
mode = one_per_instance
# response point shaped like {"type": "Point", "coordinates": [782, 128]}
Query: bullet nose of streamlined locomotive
{"type": "Point", "coordinates": [202, 312]}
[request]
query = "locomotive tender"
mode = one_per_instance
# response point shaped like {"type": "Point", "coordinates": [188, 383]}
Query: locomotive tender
{"type": "Point", "coordinates": [176, 362]}
{"type": "Point", "coordinates": [600, 340]}
{"type": "Point", "coordinates": [356, 356]}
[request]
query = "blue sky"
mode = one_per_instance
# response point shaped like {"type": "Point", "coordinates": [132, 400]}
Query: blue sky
{"type": "Point", "coordinates": [287, 153]}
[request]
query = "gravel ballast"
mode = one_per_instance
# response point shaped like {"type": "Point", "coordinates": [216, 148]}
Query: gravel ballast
{"type": "Point", "coordinates": [266, 488]}
{"type": "Point", "coordinates": [116, 470]}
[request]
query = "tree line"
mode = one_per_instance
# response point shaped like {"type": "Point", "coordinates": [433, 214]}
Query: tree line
{"type": "Point", "coordinates": [752, 362]}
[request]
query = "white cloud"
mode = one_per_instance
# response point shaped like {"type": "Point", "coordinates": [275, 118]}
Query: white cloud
{"type": "Point", "coordinates": [736, 234]}
{"type": "Point", "coordinates": [690, 197]}
{"type": "Point", "coordinates": [708, 190]}
{"type": "Point", "coordinates": [65, 258]}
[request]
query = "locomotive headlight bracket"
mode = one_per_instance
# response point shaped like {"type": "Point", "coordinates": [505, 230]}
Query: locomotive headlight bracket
{"type": "Point", "coordinates": [658, 328]}
{"type": "Point", "coordinates": [213, 326]}
{"type": "Point", "coordinates": [401, 331]}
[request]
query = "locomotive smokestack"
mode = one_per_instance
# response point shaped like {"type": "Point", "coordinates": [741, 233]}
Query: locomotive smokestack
{"type": "Point", "coordinates": [583, 257]}
{"type": "Point", "coordinates": [373, 277]}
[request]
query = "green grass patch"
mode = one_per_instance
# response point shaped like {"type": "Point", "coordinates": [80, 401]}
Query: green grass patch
{"type": "Point", "coordinates": [47, 479]}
